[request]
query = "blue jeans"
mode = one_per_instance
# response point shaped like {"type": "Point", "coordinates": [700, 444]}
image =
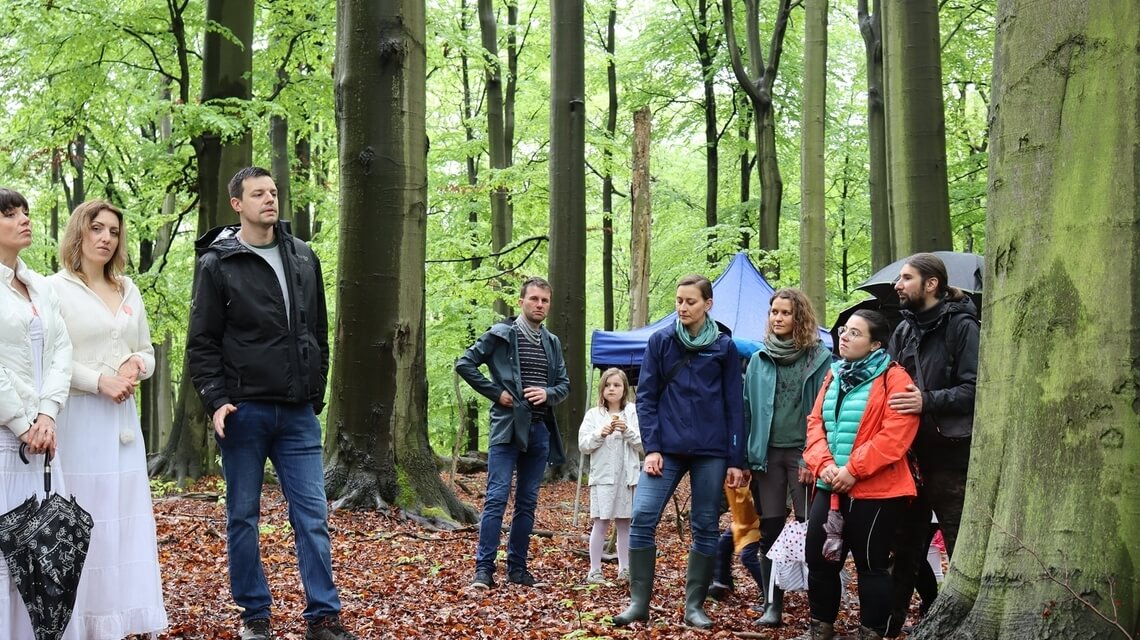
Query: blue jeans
{"type": "Point", "coordinates": [503, 462]}
{"type": "Point", "coordinates": [289, 436]}
{"type": "Point", "coordinates": [706, 477]}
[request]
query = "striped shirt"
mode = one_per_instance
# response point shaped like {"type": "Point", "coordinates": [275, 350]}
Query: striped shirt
{"type": "Point", "coordinates": [532, 367]}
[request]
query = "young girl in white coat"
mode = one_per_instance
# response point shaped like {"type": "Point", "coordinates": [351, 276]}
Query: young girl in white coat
{"type": "Point", "coordinates": [610, 435]}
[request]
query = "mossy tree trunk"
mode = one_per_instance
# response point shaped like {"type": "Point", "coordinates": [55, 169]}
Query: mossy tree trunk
{"type": "Point", "coordinates": [378, 452]}
{"type": "Point", "coordinates": [1048, 545]}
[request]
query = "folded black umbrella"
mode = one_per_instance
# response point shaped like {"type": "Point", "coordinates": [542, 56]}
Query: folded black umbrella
{"type": "Point", "coordinates": [45, 545]}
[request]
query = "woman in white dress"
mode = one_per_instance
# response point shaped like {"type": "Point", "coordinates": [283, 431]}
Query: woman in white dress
{"type": "Point", "coordinates": [100, 441]}
{"type": "Point", "coordinates": [35, 369]}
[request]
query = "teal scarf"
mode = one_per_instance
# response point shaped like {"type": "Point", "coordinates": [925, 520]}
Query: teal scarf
{"type": "Point", "coordinates": [706, 336]}
{"type": "Point", "coordinates": [853, 374]}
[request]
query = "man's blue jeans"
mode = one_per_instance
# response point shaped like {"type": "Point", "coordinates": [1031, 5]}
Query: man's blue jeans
{"type": "Point", "coordinates": [503, 462]}
{"type": "Point", "coordinates": [706, 477]}
{"type": "Point", "coordinates": [289, 436]}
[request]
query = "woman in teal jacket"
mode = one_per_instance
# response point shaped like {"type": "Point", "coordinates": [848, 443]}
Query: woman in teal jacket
{"type": "Point", "coordinates": [780, 387]}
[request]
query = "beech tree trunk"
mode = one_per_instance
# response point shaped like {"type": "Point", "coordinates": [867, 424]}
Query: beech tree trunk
{"type": "Point", "coordinates": [641, 220]}
{"type": "Point", "coordinates": [568, 212]}
{"type": "Point", "coordinates": [1048, 544]}
{"type": "Point", "coordinates": [871, 26]}
{"type": "Point", "coordinates": [916, 128]}
{"type": "Point", "coordinates": [468, 408]}
{"type": "Point", "coordinates": [378, 412]}
{"type": "Point", "coordinates": [813, 205]}
{"type": "Point", "coordinates": [226, 69]}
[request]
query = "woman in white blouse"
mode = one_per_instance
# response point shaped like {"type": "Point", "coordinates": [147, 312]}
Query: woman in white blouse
{"type": "Point", "coordinates": [35, 368]}
{"type": "Point", "coordinates": [100, 441]}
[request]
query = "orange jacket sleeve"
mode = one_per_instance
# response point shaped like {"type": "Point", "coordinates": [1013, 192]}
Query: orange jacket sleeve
{"type": "Point", "coordinates": [817, 455]}
{"type": "Point", "coordinates": [889, 443]}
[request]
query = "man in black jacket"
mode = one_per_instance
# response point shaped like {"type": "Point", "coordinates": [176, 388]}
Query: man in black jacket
{"type": "Point", "coordinates": [258, 356]}
{"type": "Point", "coordinates": [937, 343]}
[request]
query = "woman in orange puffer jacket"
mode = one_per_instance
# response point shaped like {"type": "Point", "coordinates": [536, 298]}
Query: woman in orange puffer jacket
{"type": "Point", "coordinates": [856, 448]}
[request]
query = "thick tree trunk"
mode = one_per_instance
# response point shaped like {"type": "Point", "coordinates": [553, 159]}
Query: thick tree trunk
{"type": "Point", "coordinates": [916, 123]}
{"type": "Point", "coordinates": [226, 69]}
{"type": "Point", "coordinates": [568, 211]}
{"type": "Point", "coordinates": [813, 213]}
{"type": "Point", "coordinates": [378, 452]}
{"type": "Point", "coordinates": [871, 26]}
{"type": "Point", "coordinates": [641, 220]}
{"type": "Point", "coordinates": [1048, 545]}
{"type": "Point", "coordinates": [608, 180]}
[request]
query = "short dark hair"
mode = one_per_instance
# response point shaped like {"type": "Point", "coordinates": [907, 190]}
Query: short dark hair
{"type": "Point", "coordinates": [534, 281]}
{"type": "Point", "coordinates": [11, 200]}
{"type": "Point", "coordinates": [877, 323]}
{"type": "Point", "coordinates": [239, 178]}
{"type": "Point", "coordinates": [930, 266]}
{"type": "Point", "coordinates": [700, 282]}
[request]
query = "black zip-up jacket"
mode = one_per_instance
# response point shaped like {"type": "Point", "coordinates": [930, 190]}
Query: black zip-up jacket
{"type": "Point", "coordinates": [241, 345]}
{"type": "Point", "coordinates": [943, 361]}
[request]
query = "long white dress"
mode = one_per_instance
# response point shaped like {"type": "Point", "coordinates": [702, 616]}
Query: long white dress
{"type": "Point", "coordinates": [35, 366]}
{"type": "Point", "coordinates": [104, 461]}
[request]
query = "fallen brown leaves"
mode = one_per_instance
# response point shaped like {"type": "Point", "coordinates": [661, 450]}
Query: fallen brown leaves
{"type": "Point", "coordinates": [398, 580]}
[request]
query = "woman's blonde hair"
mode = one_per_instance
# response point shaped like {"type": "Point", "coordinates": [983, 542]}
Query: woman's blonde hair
{"type": "Point", "coordinates": [606, 375]}
{"type": "Point", "coordinates": [805, 332]}
{"type": "Point", "coordinates": [71, 247]}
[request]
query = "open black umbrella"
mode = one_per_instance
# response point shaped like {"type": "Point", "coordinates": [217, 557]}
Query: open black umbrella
{"type": "Point", "coordinates": [45, 545]}
{"type": "Point", "coordinates": [964, 270]}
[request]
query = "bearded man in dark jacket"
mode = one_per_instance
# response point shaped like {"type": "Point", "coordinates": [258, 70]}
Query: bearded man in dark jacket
{"type": "Point", "coordinates": [258, 355]}
{"type": "Point", "coordinates": [937, 343]}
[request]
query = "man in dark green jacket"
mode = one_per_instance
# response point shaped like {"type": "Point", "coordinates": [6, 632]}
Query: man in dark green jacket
{"type": "Point", "coordinates": [528, 377]}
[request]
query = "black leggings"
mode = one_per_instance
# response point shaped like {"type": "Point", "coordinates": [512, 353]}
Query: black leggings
{"type": "Point", "coordinates": [868, 531]}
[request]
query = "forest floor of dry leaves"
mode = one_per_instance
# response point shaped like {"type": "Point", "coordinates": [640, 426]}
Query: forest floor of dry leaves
{"type": "Point", "coordinates": [399, 580]}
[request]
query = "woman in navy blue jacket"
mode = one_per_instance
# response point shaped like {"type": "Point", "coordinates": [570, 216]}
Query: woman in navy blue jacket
{"type": "Point", "coordinates": [690, 410]}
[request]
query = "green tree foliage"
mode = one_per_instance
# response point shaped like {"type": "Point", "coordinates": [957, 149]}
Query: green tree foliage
{"type": "Point", "coordinates": [103, 77]}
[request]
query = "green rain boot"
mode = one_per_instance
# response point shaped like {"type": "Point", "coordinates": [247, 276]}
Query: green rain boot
{"type": "Point", "coordinates": [774, 606]}
{"type": "Point", "coordinates": [642, 567]}
{"type": "Point", "coordinates": [697, 581]}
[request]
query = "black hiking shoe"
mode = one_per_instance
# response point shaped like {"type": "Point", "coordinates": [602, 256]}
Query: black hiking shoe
{"type": "Point", "coordinates": [483, 579]}
{"type": "Point", "coordinates": [524, 578]}
{"type": "Point", "coordinates": [327, 628]}
{"type": "Point", "coordinates": [256, 629]}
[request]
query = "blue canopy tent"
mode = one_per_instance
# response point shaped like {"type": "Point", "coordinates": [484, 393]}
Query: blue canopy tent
{"type": "Point", "coordinates": [740, 302]}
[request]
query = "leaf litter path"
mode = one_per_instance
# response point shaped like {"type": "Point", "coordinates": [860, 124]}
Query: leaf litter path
{"type": "Point", "coordinates": [399, 580]}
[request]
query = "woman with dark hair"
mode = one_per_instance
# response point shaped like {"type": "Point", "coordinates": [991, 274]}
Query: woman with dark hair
{"type": "Point", "coordinates": [780, 386]}
{"type": "Point", "coordinates": [689, 401]}
{"type": "Point", "coordinates": [856, 448]}
{"type": "Point", "coordinates": [101, 445]}
{"type": "Point", "coordinates": [35, 369]}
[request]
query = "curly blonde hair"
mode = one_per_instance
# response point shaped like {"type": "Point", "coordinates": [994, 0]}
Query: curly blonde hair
{"type": "Point", "coordinates": [805, 329]}
{"type": "Point", "coordinates": [71, 246]}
